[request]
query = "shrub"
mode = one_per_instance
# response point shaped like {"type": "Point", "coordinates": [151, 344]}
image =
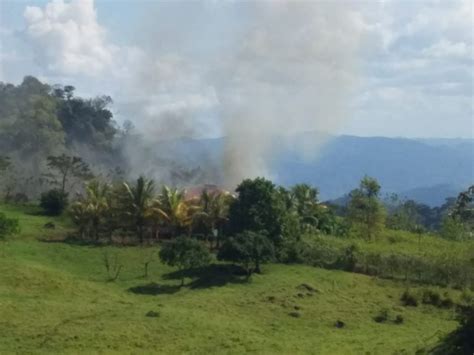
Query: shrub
{"type": "Point", "coordinates": [293, 251]}
{"type": "Point", "coordinates": [8, 226]}
{"type": "Point", "coordinates": [348, 260]}
{"type": "Point", "coordinates": [54, 202]}
{"type": "Point", "coordinates": [431, 297]}
{"type": "Point", "coordinates": [382, 316]}
{"type": "Point", "coordinates": [409, 299]}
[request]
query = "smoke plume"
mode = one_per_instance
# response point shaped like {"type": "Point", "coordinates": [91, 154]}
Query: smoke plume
{"type": "Point", "coordinates": [257, 73]}
{"type": "Point", "coordinates": [289, 69]}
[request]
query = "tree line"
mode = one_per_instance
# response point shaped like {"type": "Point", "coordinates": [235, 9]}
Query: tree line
{"type": "Point", "coordinates": [260, 222]}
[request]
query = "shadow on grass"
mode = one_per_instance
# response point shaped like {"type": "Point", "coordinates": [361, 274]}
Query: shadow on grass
{"type": "Point", "coordinates": [73, 240]}
{"type": "Point", "coordinates": [215, 275]}
{"type": "Point", "coordinates": [154, 289]}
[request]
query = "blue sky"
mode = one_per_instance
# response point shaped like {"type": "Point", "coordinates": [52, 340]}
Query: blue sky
{"type": "Point", "coordinates": [388, 68]}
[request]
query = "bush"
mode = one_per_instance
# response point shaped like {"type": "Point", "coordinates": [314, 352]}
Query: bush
{"type": "Point", "coordinates": [8, 226]}
{"type": "Point", "coordinates": [54, 202]}
{"type": "Point", "coordinates": [431, 297]}
{"type": "Point", "coordinates": [409, 299]}
{"type": "Point", "coordinates": [348, 260]}
{"type": "Point", "coordinates": [382, 316]}
{"type": "Point", "coordinates": [293, 251]}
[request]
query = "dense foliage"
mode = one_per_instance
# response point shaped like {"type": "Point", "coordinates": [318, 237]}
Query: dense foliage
{"type": "Point", "coordinates": [38, 121]}
{"type": "Point", "coordinates": [54, 202]}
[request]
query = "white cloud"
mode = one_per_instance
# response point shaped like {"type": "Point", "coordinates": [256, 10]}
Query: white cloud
{"type": "Point", "coordinates": [279, 52]}
{"type": "Point", "coordinates": [446, 49]}
{"type": "Point", "coordinates": [68, 39]}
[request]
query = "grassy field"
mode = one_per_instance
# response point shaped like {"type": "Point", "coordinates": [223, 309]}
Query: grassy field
{"type": "Point", "coordinates": [55, 298]}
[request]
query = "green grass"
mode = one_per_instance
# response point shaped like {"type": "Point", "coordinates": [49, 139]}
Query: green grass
{"type": "Point", "coordinates": [55, 298]}
{"type": "Point", "coordinates": [408, 243]}
{"type": "Point", "coordinates": [32, 222]}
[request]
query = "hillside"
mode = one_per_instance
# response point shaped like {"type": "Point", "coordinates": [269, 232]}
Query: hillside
{"type": "Point", "coordinates": [63, 288]}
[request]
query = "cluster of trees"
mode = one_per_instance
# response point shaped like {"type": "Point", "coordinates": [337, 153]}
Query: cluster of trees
{"type": "Point", "coordinates": [260, 223]}
{"type": "Point", "coordinates": [38, 121]}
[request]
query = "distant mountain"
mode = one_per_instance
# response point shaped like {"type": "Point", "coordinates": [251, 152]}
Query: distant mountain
{"type": "Point", "coordinates": [427, 170]}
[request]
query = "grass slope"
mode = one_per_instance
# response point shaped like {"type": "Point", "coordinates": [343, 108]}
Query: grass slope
{"type": "Point", "coordinates": [54, 298]}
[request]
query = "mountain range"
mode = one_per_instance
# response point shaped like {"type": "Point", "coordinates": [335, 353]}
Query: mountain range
{"type": "Point", "coordinates": [427, 170]}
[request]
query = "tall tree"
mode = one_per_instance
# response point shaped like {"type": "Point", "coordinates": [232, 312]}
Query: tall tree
{"type": "Point", "coordinates": [173, 210]}
{"type": "Point", "coordinates": [65, 167]}
{"type": "Point", "coordinates": [257, 208]}
{"type": "Point", "coordinates": [366, 212]}
{"type": "Point", "coordinates": [90, 211]}
{"type": "Point", "coordinates": [86, 121]}
{"type": "Point", "coordinates": [213, 212]}
{"type": "Point", "coordinates": [305, 201]}
{"type": "Point", "coordinates": [137, 201]}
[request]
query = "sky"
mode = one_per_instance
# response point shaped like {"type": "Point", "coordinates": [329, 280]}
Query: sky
{"type": "Point", "coordinates": [369, 68]}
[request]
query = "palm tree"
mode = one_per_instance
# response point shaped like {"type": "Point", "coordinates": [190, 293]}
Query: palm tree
{"type": "Point", "coordinates": [89, 211]}
{"type": "Point", "coordinates": [172, 209]}
{"type": "Point", "coordinates": [304, 199]}
{"type": "Point", "coordinates": [81, 218]}
{"type": "Point", "coordinates": [213, 211]}
{"type": "Point", "coordinates": [137, 201]}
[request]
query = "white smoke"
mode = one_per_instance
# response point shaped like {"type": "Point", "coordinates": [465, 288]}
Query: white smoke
{"type": "Point", "coordinates": [293, 72]}
{"type": "Point", "coordinates": [289, 67]}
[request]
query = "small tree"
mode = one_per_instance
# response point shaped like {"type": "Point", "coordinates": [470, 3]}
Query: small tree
{"type": "Point", "coordinates": [366, 212]}
{"type": "Point", "coordinates": [66, 167]}
{"type": "Point", "coordinates": [136, 200]}
{"type": "Point", "coordinates": [248, 248]}
{"type": "Point", "coordinates": [185, 253]}
{"type": "Point", "coordinates": [54, 202]}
